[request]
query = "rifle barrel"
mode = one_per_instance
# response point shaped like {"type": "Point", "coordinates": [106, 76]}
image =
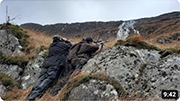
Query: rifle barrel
{"type": "Point", "coordinates": [100, 41]}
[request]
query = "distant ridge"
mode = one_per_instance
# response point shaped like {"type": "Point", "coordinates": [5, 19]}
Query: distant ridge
{"type": "Point", "coordinates": [165, 23]}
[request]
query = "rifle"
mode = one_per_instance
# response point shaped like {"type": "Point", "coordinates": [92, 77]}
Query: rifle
{"type": "Point", "coordinates": [102, 44]}
{"type": "Point", "coordinates": [100, 41]}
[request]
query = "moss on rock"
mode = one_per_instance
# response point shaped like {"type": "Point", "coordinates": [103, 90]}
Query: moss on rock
{"type": "Point", "coordinates": [10, 60]}
{"type": "Point", "coordinates": [169, 51]}
{"type": "Point", "coordinates": [137, 43]}
{"type": "Point", "coordinates": [6, 80]}
{"type": "Point", "coordinates": [17, 32]}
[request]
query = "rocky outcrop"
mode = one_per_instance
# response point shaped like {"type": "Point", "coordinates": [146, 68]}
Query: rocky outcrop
{"type": "Point", "coordinates": [2, 88]}
{"type": "Point", "coordinates": [32, 70]}
{"type": "Point", "coordinates": [11, 70]}
{"type": "Point", "coordinates": [138, 70]}
{"type": "Point", "coordinates": [9, 44]}
{"type": "Point", "coordinates": [94, 90]}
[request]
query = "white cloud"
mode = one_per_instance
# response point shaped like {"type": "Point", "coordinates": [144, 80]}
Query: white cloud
{"type": "Point", "coordinates": [179, 1]}
{"type": "Point", "coordinates": [1, 1]}
{"type": "Point", "coordinates": [70, 11]}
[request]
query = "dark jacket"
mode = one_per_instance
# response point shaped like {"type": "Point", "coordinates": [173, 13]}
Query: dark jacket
{"type": "Point", "coordinates": [57, 53]}
{"type": "Point", "coordinates": [80, 51]}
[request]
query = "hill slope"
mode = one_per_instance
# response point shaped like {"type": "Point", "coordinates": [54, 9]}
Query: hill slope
{"type": "Point", "coordinates": [159, 30]}
{"type": "Point", "coordinates": [78, 30]}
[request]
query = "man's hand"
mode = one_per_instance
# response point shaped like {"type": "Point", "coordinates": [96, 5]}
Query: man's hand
{"type": "Point", "coordinates": [98, 44]}
{"type": "Point", "coordinates": [64, 39]}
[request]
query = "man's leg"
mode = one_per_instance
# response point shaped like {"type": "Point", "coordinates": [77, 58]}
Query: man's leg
{"type": "Point", "coordinates": [44, 84]}
{"type": "Point", "coordinates": [43, 75]}
{"type": "Point", "coordinates": [61, 84]}
{"type": "Point", "coordinates": [66, 72]}
{"type": "Point", "coordinates": [80, 64]}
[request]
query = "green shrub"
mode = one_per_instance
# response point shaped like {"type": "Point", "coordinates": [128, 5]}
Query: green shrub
{"type": "Point", "coordinates": [137, 43]}
{"type": "Point", "coordinates": [17, 60]}
{"type": "Point", "coordinates": [18, 32]}
{"type": "Point", "coordinates": [169, 51]}
{"type": "Point", "coordinates": [172, 50]}
{"type": "Point", "coordinates": [42, 48]}
{"type": "Point", "coordinates": [6, 80]}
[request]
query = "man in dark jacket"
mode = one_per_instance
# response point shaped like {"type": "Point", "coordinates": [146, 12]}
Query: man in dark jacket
{"type": "Point", "coordinates": [53, 65]}
{"type": "Point", "coordinates": [78, 56]}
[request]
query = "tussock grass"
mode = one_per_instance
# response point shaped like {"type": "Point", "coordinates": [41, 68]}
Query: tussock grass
{"type": "Point", "coordinates": [138, 42]}
{"type": "Point", "coordinates": [37, 42]}
{"type": "Point", "coordinates": [21, 61]}
{"type": "Point", "coordinates": [6, 80]}
{"type": "Point", "coordinates": [32, 43]}
{"type": "Point", "coordinates": [81, 79]}
{"type": "Point", "coordinates": [164, 46]}
{"type": "Point", "coordinates": [16, 94]}
{"type": "Point", "coordinates": [174, 43]}
{"type": "Point", "coordinates": [169, 51]}
{"type": "Point", "coordinates": [141, 42]}
{"type": "Point", "coordinates": [18, 32]}
{"type": "Point", "coordinates": [172, 50]}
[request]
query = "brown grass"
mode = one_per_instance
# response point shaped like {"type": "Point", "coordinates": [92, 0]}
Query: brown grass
{"type": "Point", "coordinates": [136, 38]}
{"type": "Point", "coordinates": [20, 94]}
{"type": "Point", "coordinates": [16, 94]}
{"type": "Point", "coordinates": [152, 41]}
{"type": "Point", "coordinates": [110, 43]}
{"type": "Point", "coordinates": [61, 95]}
{"type": "Point", "coordinates": [174, 44]}
{"type": "Point", "coordinates": [74, 41]}
{"type": "Point", "coordinates": [36, 41]}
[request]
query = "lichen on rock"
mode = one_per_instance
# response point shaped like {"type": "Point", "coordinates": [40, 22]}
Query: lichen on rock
{"type": "Point", "coordinates": [32, 70]}
{"type": "Point", "coordinates": [94, 90]}
{"type": "Point", "coordinates": [138, 70]}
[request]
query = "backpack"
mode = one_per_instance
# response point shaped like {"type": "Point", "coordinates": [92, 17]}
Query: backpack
{"type": "Point", "coordinates": [73, 52]}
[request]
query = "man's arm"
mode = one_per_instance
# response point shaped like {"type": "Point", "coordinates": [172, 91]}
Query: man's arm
{"type": "Point", "coordinates": [88, 48]}
{"type": "Point", "coordinates": [67, 42]}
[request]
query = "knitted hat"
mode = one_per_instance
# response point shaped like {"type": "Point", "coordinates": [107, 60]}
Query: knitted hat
{"type": "Point", "coordinates": [58, 36]}
{"type": "Point", "coordinates": [89, 39]}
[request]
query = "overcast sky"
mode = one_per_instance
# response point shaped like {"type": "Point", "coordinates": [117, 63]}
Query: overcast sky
{"type": "Point", "coordinates": [70, 11]}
